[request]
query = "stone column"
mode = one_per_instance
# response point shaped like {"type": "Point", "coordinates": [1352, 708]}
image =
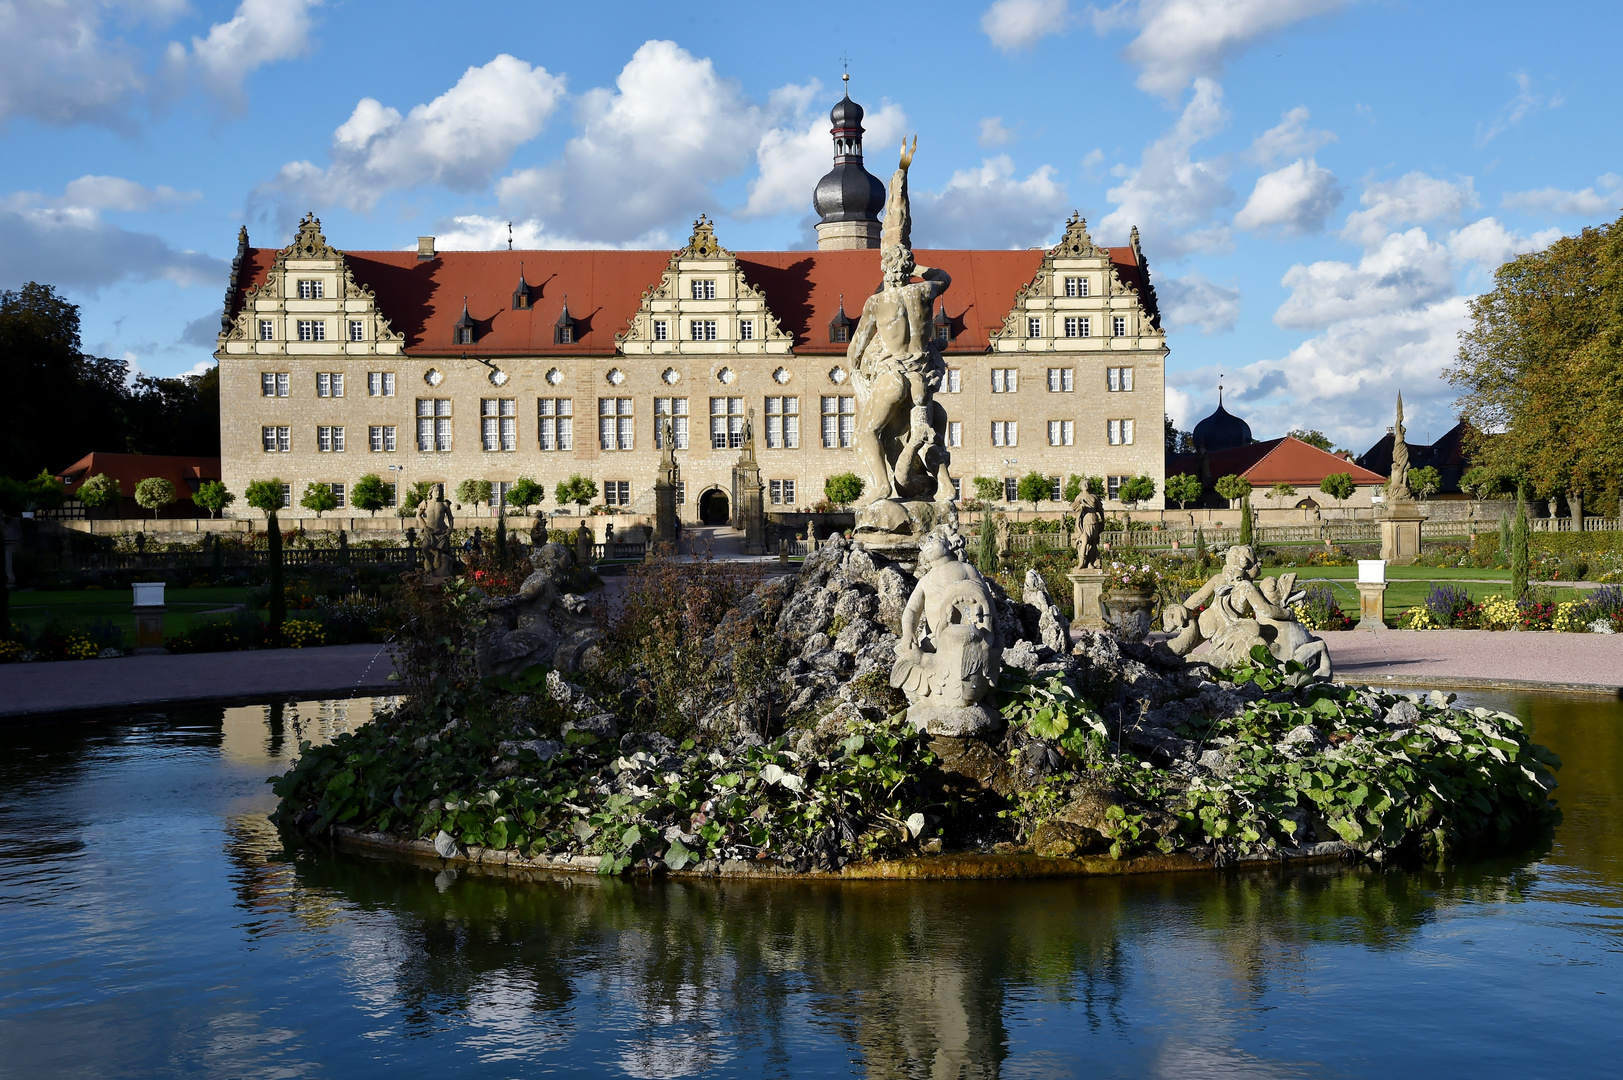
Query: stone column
{"type": "Point", "coordinates": [749, 494]}
{"type": "Point", "coordinates": [1087, 586]}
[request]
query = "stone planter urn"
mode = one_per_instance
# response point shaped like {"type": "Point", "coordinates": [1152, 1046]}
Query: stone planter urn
{"type": "Point", "coordinates": [1127, 611]}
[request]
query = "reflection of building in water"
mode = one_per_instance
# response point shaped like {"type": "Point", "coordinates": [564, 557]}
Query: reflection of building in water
{"type": "Point", "coordinates": [266, 734]}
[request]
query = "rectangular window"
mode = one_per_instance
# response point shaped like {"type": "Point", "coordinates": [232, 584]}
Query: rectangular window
{"type": "Point", "coordinates": [267, 330]}
{"type": "Point", "coordinates": [1118, 325]}
{"type": "Point", "coordinates": [955, 433]}
{"type": "Point", "coordinates": [566, 334]}
{"type": "Point", "coordinates": [498, 493]}
{"type": "Point", "coordinates": [616, 425]}
{"type": "Point", "coordinates": [312, 330]}
{"type": "Point", "coordinates": [783, 423]}
{"type": "Point", "coordinates": [1054, 490]}
{"type": "Point", "coordinates": [390, 493]}
{"type": "Point", "coordinates": [839, 422]}
{"type": "Point", "coordinates": [681, 492]}
{"type": "Point", "coordinates": [955, 381]}
{"type": "Point", "coordinates": [1078, 326]}
{"type": "Point", "coordinates": [661, 330]}
{"type": "Point", "coordinates": [782, 492]}
{"type": "Point", "coordinates": [1120, 432]}
{"type": "Point", "coordinates": [277, 440]}
{"type": "Point", "coordinates": [1061, 380]}
{"type": "Point", "coordinates": [374, 439]}
{"type": "Point", "coordinates": [1061, 432]}
{"type": "Point", "coordinates": [617, 493]}
{"type": "Point", "coordinates": [1119, 379]}
{"type": "Point", "coordinates": [1034, 327]}
{"type": "Point", "coordinates": [434, 424]}
{"type": "Point", "coordinates": [1011, 489]}
{"type": "Point", "coordinates": [338, 494]}
{"type": "Point", "coordinates": [310, 290]}
{"type": "Point", "coordinates": [1005, 433]}
{"type": "Point", "coordinates": [330, 440]}
{"type": "Point", "coordinates": [746, 330]}
{"type": "Point", "coordinates": [957, 488]}
{"type": "Point", "coordinates": [357, 330]}
{"type": "Point", "coordinates": [499, 423]}
{"type": "Point", "coordinates": [1076, 286]}
{"type": "Point", "coordinates": [380, 383]}
{"type": "Point", "coordinates": [329, 384]}
{"type": "Point", "coordinates": [287, 496]}
{"type": "Point", "coordinates": [267, 384]}
{"type": "Point", "coordinates": [702, 329]}
{"type": "Point", "coordinates": [704, 289]}
{"type": "Point", "coordinates": [839, 333]}
{"type": "Point", "coordinates": [726, 423]}
{"type": "Point", "coordinates": [677, 410]}
{"type": "Point", "coordinates": [1113, 485]}
{"type": "Point", "coordinates": [1005, 380]}
{"type": "Point", "coordinates": [557, 417]}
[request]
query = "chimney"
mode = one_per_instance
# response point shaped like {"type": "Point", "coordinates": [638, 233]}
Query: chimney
{"type": "Point", "coordinates": [425, 248]}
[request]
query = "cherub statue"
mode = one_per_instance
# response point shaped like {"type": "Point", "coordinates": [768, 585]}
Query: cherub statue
{"type": "Point", "coordinates": [1242, 612]}
{"type": "Point", "coordinates": [950, 653]}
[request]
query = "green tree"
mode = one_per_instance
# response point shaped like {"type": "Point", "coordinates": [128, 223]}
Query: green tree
{"type": "Point", "coordinates": [266, 496]}
{"type": "Point", "coordinates": [318, 498]}
{"type": "Point", "coordinates": [526, 493]}
{"type": "Point", "coordinates": [1520, 536]}
{"type": "Point", "coordinates": [1281, 491]}
{"type": "Point", "coordinates": [1139, 489]}
{"type": "Point", "coordinates": [578, 489]}
{"type": "Point", "coordinates": [1177, 442]}
{"type": "Point", "coordinates": [1339, 486]}
{"type": "Point", "coordinates": [1233, 487]}
{"type": "Point", "coordinates": [415, 495]}
{"type": "Point", "coordinates": [1541, 366]}
{"type": "Point", "coordinates": [986, 544]}
{"type": "Point", "coordinates": [154, 493]}
{"type": "Point", "coordinates": [1424, 482]}
{"type": "Point", "coordinates": [370, 493]}
{"type": "Point", "coordinates": [987, 489]}
{"type": "Point", "coordinates": [1073, 487]}
{"type": "Point", "coordinates": [473, 492]}
{"type": "Point", "coordinates": [1183, 489]}
{"type": "Point", "coordinates": [1482, 483]}
{"type": "Point", "coordinates": [1034, 488]}
{"type": "Point", "coordinates": [1312, 438]}
{"type": "Point", "coordinates": [99, 492]}
{"type": "Point", "coordinates": [1096, 486]}
{"type": "Point", "coordinates": [843, 489]}
{"type": "Point", "coordinates": [213, 497]}
{"type": "Point", "coordinates": [1248, 523]}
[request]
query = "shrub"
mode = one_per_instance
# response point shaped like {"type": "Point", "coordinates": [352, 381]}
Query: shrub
{"type": "Point", "coordinates": [1339, 486]}
{"type": "Point", "coordinates": [843, 489]}
{"type": "Point", "coordinates": [318, 498]}
{"type": "Point", "coordinates": [578, 489]}
{"type": "Point", "coordinates": [1034, 488]}
{"type": "Point", "coordinates": [473, 492]}
{"type": "Point", "coordinates": [1138, 489]}
{"type": "Point", "coordinates": [154, 493]}
{"type": "Point", "coordinates": [526, 493]}
{"type": "Point", "coordinates": [370, 493]}
{"type": "Point", "coordinates": [303, 633]}
{"type": "Point", "coordinates": [100, 491]}
{"type": "Point", "coordinates": [242, 630]}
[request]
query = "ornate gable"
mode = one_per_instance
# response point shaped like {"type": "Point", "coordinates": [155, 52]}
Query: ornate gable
{"type": "Point", "coordinates": [703, 304]}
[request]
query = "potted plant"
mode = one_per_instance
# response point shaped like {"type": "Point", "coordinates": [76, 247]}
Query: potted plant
{"type": "Point", "coordinates": [1129, 596]}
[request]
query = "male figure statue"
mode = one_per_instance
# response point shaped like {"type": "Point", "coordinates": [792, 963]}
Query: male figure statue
{"type": "Point", "coordinates": [435, 522]}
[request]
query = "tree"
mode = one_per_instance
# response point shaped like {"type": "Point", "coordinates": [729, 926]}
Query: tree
{"type": "Point", "coordinates": [416, 494]}
{"type": "Point", "coordinates": [1424, 482]}
{"type": "Point", "coordinates": [1281, 491]}
{"type": "Point", "coordinates": [212, 496]}
{"type": "Point", "coordinates": [1233, 487]}
{"type": "Point", "coordinates": [266, 496]}
{"type": "Point", "coordinates": [1339, 486]}
{"type": "Point", "coordinates": [1139, 489]}
{"type": "Point", "coordinates": [370, 493]}
{"type": "Point", "coordinates": [1482, 483]}
{"type": "Point", "coordinates": [1178, 442]}
{"type": "Point", "coordinates": [100, 491]}
{"type": "Point", "coordinates": [1183, 489]}
{"type": "Point", "coordinates": [526, 493]}
{"type": "Point", "coordinates": [987, 489]}
{"type": "Point", "coordinates": [318, 498]}
{"type": "Point", "coordinates": [1312, 438]}
{"type": "Point", "coordinates": [1519, 543]}
{"type": "Point", "coordinates": [1073, 487]}
{"type": "Point", "coordinates": [1034, 487]}
{"type": "Point", "coordinates": [473, 492]}
{"type": "Point", "coordinates": [1248, 523]}
{"type": "Point", "coordinates": [154, 493]}
{"type": "Point", "coordinates": [578, 489]}
{"type": "Point", "coordinates": [1096, 486]}
{"type": "Point", "coordinates": [843, 489]}
{"type": "Point", "coordinates": [986, 545]}
{"type": "Point", "coordinates": [1541, 366]}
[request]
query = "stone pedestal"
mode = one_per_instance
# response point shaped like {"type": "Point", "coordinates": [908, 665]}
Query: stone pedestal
{"type": "Point", "coordinates": [664, 513]}
{"type": "Point", "coordinates": [1400, 531]}
{"type": "Point", "coordinates": [1086, 589]}
{"type": "Point", "coordinates": [148, 607]}
{"type": "Point", "coordinates": [1371, 605]}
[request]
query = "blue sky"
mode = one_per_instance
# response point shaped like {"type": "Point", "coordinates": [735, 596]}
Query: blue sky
{"type": "Point", "coordinates": [1320, 185]}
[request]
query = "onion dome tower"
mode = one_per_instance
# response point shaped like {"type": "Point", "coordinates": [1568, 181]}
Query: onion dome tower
{"type": "Point", "coordinates": [848, 200]}
{"type": "Point", "coordinates": [1221, 431]}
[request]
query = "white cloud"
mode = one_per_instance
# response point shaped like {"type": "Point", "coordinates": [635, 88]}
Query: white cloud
{"type": "Point", "coordinates": [988, 208]}
{"type": "Point", "coordinates": [261, 32]}
{"type": "Point", "coordinates": [1181, 40]}
{"type": "Point", "coordinates": [1171, 197]}
{"type": "Point", "coordinates": [1291, 137]}
{"type": "Point", "coordinates": [1489, 244]}
{"type": "Point", "coordinates": [476, 232]}
{"type": "Point", "coordinates": [649, 150]}
{"type": "Point", "coordinates": [1020, 24]}
{"type": "Point", "coordinates": [1296, 199]}
{"type": "Point", "coordinates": [58, 68]}
{"type": "Point", "coordinates": [117, 193]}
{"type": "Point", "coordinates": [1412, 199]}
{"type": "Point", "coordinates": [1404, 270]}
{"type": "Point", "coordinates": [457, 140]}
{"type": "Point", "coordinates": [791, 159]}
{"type": "Point", "coordinates": [1586, 203]}
{"type": "Point", "coordinates": [1517, 109]}
{"type": "Point", "coordinates": [1192, 302]}
{"type": "Point", "coordinates": [994, 133]}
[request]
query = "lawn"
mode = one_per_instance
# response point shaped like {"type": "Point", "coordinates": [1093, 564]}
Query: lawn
{"type": "Point", "coordinates": [185, 607]}
{"type": "Point", "coordinates": [1407, 586]}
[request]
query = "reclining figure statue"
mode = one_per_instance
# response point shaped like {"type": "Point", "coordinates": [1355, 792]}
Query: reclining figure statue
{"type": "Point", "coordinates": [1242, 612]}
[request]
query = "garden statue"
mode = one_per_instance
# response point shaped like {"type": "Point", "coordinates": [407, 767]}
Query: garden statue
{"type": "Point", "coordinates": [435, 520]}
{"type": "Point", "coordinates": [1397, 484]}
{"type": "Point", "coordinates": [896, 366]}
{"type": "Point", "coordinates": [1241, 612]}
{"type": "Point", "coordinates": [543, 623]}
{"type": "Point", "coordinates": [1090, 515]}
{"type": "Point", "coordinates": [950, 652]}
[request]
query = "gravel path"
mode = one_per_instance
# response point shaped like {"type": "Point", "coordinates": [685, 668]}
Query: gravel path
{"type": "Point", "coordinates": [1591, 662]}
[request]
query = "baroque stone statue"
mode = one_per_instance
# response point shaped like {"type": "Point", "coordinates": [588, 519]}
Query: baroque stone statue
{"type": "Point", "coordinates": [1242, 612]}
{"type": "Point", "coordinates": [950, 652]}
{"type": "Point", "coordinates": [1397, 484]}
{"type": "Point", "coordinates": [543, 623]}
{"type": "Point", "coordinates": [1090, 523]}
{"type": "Point", "coordinates": [435, 522]}
{"type": "Point", "coordinates": [897, 367]}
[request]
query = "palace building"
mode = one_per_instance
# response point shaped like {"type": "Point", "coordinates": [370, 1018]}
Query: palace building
{"type": "Point", "coordinates": [452, 365]}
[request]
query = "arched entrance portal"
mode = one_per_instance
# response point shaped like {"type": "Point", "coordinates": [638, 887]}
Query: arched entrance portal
{"type": "Point", "coordinates": [713, 508]}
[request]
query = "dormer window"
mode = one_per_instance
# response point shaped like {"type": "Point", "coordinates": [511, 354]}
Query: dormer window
{"type": "Point", "coordinates": [523, 296]}
{"type": "Point", "coordinates": [564, 331]}
{"type": "Point", "coordinates": [462, 332]}
{"type": "Point", "coordinates": [942, 326]}
{"type": "Point", "coordinates": [839, 327]}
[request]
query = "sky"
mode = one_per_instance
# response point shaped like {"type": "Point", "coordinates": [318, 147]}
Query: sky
{"type": "Point", "coordinates": [1321, 186]}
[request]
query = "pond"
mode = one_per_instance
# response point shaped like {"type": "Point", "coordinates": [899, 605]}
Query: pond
{"type": "Point", "coordinates": [154, 925]}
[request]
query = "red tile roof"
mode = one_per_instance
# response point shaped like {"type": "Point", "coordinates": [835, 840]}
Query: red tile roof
{"type": "Point", "coordinates": [423, 299]}
{"type": "Point", "coordinates": [131, 469]}
{"type": "Point", "coordinates": [1274, 461]}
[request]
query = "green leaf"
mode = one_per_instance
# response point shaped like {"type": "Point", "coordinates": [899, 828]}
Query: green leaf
{"type": "Point", "coordinates": [677, 855]}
